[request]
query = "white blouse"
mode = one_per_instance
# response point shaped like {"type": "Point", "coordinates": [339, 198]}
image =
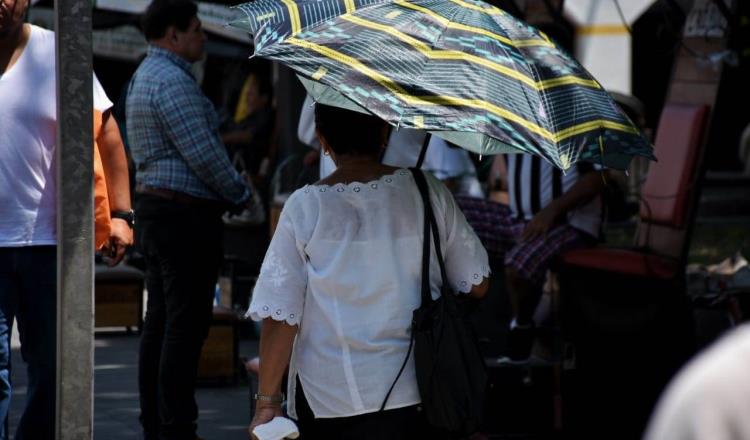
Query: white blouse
{"type": "Point", "coordinates": [345, 264]}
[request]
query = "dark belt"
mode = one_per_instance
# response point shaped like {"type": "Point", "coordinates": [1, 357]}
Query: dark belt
{"type": "Point", "coordinates": [179, 197]}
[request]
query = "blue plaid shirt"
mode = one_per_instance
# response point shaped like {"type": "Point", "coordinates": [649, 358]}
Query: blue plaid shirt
{"type": "Point", "coordinates": [173, 132]}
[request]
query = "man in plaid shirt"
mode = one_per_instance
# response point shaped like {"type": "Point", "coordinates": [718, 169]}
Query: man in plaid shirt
{"type": "Point", "coordinates": [184, 183]}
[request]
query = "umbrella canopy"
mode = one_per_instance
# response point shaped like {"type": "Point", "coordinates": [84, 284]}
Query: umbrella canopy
{"type": "Point", "coordinates": [462, 69]}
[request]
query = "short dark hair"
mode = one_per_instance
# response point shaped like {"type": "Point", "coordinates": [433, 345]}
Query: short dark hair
{"type": "Point", "coordinates": [349, 132]}
{"type": "Point", "coordinates": [164, 13]}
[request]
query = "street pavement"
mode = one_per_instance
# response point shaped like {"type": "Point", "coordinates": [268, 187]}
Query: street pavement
{"type": "Point", "coordinates": [224, 409]}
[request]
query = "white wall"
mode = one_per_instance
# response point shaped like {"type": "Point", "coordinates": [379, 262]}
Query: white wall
{"type": "Point", "coordinates": [603, 44]}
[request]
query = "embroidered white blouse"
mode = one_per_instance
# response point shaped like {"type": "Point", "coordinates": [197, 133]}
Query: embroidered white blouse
{"type": "Point", "coordinates": [345, 264]}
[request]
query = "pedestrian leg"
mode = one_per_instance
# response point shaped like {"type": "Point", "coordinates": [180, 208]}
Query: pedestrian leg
{"type": "Point", "coordinates": [8, 296]}
{"type": "Point", "coordinates": [37, 326]}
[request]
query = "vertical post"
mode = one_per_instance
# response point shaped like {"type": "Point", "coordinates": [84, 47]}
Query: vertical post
{"type": "Point", "coordinates": [75, 268]}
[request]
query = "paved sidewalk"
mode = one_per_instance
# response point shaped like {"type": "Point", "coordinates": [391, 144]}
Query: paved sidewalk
{"type": "Point", "coordinates": [224, 410]}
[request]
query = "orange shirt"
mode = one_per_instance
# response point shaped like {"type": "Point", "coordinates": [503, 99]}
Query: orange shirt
{"type": "Point", "coordinates": [102, 219]}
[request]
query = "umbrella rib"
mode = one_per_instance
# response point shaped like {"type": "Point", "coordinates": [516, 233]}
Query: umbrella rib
{"type": "Point", "coordinates": [425, 50]}
{"type": "Point", "coordinates": [402, 94]}
{"type": "Point", "coordinates": [424, 100]}
{"type": "Point", "coordinates": [492, 10]}
{"type": "Point", "coordinates": [473, 29]}
{"type": "Point", "coordinates": [591, 125]}
{"type": "Point", "coordinates": [565, 80]}
{"type": "Point", "coordinates": [444, 21]}
{"type": "Point", "coordinates": [293, 16]}
{"type": "Point", "coordinates": [295, 21]}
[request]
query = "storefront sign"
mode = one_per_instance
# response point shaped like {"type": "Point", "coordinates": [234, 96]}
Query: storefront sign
{"type": "Point", "coordinates": [214, 16]}
{"type": "Point", "coordinates": [124, 43]}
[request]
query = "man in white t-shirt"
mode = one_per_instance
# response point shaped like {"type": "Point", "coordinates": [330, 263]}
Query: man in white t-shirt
{"type": "Point", "coordinates": [28, 263]}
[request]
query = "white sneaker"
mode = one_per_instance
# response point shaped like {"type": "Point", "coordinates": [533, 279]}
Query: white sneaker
{"type": "Point", "coordinates": [277, 429]}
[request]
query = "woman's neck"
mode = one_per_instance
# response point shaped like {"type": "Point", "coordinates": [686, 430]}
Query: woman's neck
{"type": "Point", "coordinates": [357, 169]}
{"type": "Point", "coordinates": [351, 161]}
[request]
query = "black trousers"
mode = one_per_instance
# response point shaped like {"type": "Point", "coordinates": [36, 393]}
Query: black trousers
{"type": "Point", "coordinates": [182, 245]}
{"type": "Point", "coordinates": [406, 423]}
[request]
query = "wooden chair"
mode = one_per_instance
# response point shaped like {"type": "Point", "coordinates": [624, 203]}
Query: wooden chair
{"type": "Point", "coordinates": [118, 297]}
{"type": "Point", "coordinates": [625, 309]}
{"type": "Point", "coordinates": [219, 360]}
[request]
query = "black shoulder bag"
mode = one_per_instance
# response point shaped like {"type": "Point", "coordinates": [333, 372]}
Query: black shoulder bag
{"type": "Point", "coordinates": [451, 374]}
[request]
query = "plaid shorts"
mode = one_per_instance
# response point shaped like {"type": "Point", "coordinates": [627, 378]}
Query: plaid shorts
{"type": "Point", "coordinates": [500, 233]}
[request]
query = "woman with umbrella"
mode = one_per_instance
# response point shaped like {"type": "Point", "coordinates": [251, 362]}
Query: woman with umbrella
{"type": "Point", "coordinates": [340, 281]}
{"type": "Point", "coordinates": [463, 70]}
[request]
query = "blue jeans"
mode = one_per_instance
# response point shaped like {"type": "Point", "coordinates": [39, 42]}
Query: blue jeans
{"type": "Point", "coordinates": [28, 292]}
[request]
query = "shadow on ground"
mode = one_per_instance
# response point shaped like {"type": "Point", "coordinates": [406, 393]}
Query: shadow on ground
{"type": "Point", "coordinates": [224, 410]}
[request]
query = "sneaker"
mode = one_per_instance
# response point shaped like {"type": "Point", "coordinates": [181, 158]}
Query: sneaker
{"type": "Point", "coordinates": [519, 344]}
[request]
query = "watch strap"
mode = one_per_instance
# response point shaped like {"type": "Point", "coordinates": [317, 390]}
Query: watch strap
{"type": "Point", "coordinates": [128, 216]}
{"type": "Point", "coordinates": [276, 398]}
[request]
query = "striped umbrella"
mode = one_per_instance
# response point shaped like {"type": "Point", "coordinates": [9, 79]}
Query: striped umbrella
{"type": "Point", "coordinates": [461, 69]}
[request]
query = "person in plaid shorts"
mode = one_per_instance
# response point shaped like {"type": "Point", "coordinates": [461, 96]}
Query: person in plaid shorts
{"type": "Point", "coordinates": [548, 212]}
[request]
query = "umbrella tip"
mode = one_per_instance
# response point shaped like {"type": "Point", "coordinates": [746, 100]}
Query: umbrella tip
{"type": "Point", "coordinates": [564, 161]}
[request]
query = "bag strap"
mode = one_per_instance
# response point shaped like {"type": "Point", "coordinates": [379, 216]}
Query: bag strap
{"type": "Point", "coordinates": [426, 294]}
{"type": "Point", "coordinates": [401, 370]}
{"type": "Point", "coordinates": [423, 151]}
{"type": "Point", "coordinates": [429, 216]}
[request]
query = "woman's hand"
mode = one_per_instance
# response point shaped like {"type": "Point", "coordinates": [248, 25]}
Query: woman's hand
{"type": "Point", "coordinates": [263, 414]}
{"type": "Point", "coordinates": [276, 340]}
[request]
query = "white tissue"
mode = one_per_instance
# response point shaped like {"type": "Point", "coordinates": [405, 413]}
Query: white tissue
{"type": "Point", "coordinates": [277, 429]}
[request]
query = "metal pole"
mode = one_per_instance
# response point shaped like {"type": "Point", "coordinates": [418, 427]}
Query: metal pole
{"type": "Point", "coordinates": [75, 267]}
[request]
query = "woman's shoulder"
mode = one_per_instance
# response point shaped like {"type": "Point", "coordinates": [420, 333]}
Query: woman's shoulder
{"type": "Point", "coordinates": [437, 187]}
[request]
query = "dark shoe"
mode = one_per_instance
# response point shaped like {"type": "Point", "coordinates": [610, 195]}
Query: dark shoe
{"type": "Point", "coordinates": [519, 344]}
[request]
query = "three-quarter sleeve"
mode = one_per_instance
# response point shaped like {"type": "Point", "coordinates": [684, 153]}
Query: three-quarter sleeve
{"type": "Point", "coordinates": [466, 261]}
{"type": "Point", "coordinates": [280, 291]}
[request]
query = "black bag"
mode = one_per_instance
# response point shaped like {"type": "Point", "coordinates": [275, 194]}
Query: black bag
{"type": "Point", "coordinates": [451, 374]}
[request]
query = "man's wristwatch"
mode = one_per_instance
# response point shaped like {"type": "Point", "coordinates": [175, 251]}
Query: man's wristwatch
{"type": "Point", "coordinates": [128, 216]}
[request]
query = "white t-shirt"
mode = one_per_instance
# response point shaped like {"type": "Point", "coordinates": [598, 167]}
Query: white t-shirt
{"type": "Point", "coordinates": [28, 127]}
{"type": "Point", "coordinates": [710, 398]}
{"type": "Point", "coordinates": [534, 183]}
{"type": "Point", "coordinates": [345, 264]}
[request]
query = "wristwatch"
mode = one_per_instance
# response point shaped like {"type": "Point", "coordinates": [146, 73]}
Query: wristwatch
{"type": "Point", "coordinates": [275, 398]}
{"type": "Point", "coordinates": [128, 216]}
